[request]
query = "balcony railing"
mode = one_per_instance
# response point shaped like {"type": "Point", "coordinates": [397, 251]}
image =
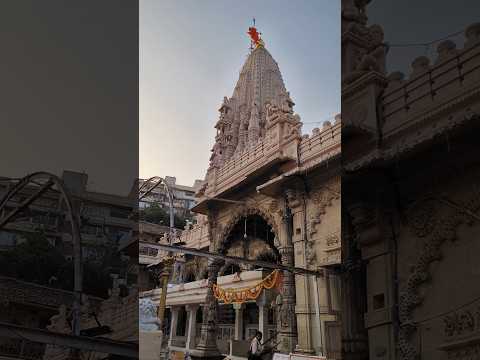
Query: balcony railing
{"type": "Point", "coordinates": [21, 349]}
{"type": "Point", "coordinates": [321, 145]}
{"type": "Point", "coordinates": [436, 85]}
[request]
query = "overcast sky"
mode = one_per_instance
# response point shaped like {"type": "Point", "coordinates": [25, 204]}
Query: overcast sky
{"type": "Point", "coordinates": [191, 53]}
{"type": "Point", "coordinates": [414, 22]}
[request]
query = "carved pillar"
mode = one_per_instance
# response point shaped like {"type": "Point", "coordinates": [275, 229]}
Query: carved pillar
{"type": "Point", "coordinates": [354, 334]}
{"type": "Point", "coordinates": [191, 329]}
{"type": "Point", "coordinates": [238, 321]}
{"type": "Point", "coordinates": [262, 314]}
{"type": "Point", "coordinates": [287, 324]}
{"type": "Point", "coordinates": [304, 310]}
{"type": "Point", "coordinates": [207, 346]}
{"type": "Point", "coordinates": [173, 325]}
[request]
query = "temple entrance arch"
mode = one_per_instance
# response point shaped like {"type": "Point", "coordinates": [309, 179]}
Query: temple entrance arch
{"type": "Point", "coordinates": [249, 234]}
{"type": "Point", "coordinates": [258, 222]}
{"type": "Point", "coordinates": [251, 237]}
{"type": "Point", "coordinates": [253, 234]}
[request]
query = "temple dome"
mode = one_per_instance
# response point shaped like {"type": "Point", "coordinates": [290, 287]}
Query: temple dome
{"type": "Point", "coordinates": [242, 117]}
{"type": "Point", "coordinates": [260, 81]}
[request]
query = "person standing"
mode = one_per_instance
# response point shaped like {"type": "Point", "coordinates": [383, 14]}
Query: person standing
{"type": "Point", "coordinates": [256, 347]}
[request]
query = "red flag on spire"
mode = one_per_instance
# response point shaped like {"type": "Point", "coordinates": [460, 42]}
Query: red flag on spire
{"type": "Point", "coordinates": [254, 35]}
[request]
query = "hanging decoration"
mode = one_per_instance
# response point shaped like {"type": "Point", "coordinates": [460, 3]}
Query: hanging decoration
{"type": "Point", "coordinates": [238, 296]}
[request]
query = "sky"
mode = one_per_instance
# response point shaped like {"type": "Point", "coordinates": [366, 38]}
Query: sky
{"type": "Point", "coordinates": [69, 90]}
{"type": "Point", "coordinates": [191, 53]}
{"type": "Point", "coordinates": [414, 22]}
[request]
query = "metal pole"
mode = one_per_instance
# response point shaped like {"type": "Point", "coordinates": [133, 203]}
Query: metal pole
{"type": "Point", "coordinates": [163, 298]}
{"type": "Point", "coordinates": [167, 265]}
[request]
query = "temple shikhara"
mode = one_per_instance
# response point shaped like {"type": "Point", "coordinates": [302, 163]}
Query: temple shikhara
{"type": "Point", "coordinates": [270, 194]}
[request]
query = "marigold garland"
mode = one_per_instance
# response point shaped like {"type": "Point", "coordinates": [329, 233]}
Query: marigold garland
{"type": "Point", "coordinates": [229, 296]}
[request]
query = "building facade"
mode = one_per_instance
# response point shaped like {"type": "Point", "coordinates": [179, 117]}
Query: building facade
{"type": "Point", "coordinates": [410, 220]}
{"type": "Point", "coordinates": [271, 194]}
{"type": "Point", "coordinates": [183, 196]}
{"type": "Point", "coordinates": [106, 228]}
{"type": "Point", "coordinates": [104, 218]}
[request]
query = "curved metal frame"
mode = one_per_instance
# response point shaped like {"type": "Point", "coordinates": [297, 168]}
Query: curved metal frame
{"type": "Point", "coordinates": [53, 180]}
{"type": "Point", "coordinates": [154, 182]}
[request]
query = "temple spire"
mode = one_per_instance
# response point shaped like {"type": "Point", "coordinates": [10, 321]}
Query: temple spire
{"type": "Point", "coordinates": [242, 117]}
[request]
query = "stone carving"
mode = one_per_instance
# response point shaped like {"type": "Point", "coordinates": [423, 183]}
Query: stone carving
{"type": "Point", "coordinates": [322, 199]}
{"type": "Point", "coordinates": [459, 323]}
{"type": "Point", "coordinates": [273, 112]}
{"type": "Point", "coordinates": [59, 322]}
{"type": "Point", "coordinates": [240, 213]}
{"type": "Point", "coordinates": [410, 297]}
{"type": "Point", "coordinates": [293, 198]}
{"type": "Point", "coordinates": [242, 119]}
{"type": "Point", "coordinates": [254, 125]}
{"type": "Point", "coordinates": [310, 253]}
{"type": "Point", "coordinates": [208, 329]}
{"type": "Point", "coordinates": [421, 217]}
{"type": "Point", "coordinates": [333, 239]}
{"type": "Point", "coordinates": [366, 55]}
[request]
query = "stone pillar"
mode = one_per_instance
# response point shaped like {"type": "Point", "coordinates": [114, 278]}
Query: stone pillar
{"type": "Point", "coordinates": [376, 244]}
{"type": "Point", "coordinates": [191, 328]}
{"type": "Point", "coordinates": [262, 314]}
{"type": "Point", "coordinates": [238, 321]}
{"type": "Point", "coordinates": [207, 346]}
{"type": "Point", "coordinates": [304, 310]}
{"type": "Point", "coordinates": [286, 322]}
{"type": "Point", "coordinates": [173, 325]}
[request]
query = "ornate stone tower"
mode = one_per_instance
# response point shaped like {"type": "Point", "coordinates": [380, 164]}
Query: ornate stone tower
{"type": "Point", "coordinates": [242, 120]}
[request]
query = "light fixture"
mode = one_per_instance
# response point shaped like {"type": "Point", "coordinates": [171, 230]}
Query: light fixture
{"type": "Point", "coordinates": [245, 231]}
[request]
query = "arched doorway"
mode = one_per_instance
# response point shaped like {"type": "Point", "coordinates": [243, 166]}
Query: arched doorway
{"type": "Point", "coordinates": [250, 236]}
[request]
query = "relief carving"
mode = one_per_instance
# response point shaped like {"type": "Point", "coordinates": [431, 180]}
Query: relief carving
{"type": "Point", "coordinates": [459, 323]}
{"type": "Point", "coordinates": [421, 218]}
{"type": "Point", "coordinates": [410, 298]}
{"type": "Point", "coordinates": [322, 198]}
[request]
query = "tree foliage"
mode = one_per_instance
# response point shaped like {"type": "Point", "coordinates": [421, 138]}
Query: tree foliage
{"type": "Point", "coordinates": [158, 215]}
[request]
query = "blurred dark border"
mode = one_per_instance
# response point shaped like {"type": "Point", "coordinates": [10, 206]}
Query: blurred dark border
{"type": "Point", "coordinates": [69, 112]}
{"type": "Point", "coordinates": [410, 204]}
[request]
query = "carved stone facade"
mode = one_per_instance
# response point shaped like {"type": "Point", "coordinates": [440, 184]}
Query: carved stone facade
{"type": "Point", "coordinates": [271, 194]}
{"type": "Point", "coordinates": [409, 225]}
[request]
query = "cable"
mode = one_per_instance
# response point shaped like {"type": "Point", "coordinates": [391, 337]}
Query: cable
{"type": "Point", "coordinates": [441, 314]}
{"type": "Point", "coordinates": [427, 43]}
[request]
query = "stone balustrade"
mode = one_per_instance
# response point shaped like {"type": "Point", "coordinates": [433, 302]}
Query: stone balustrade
{"type": "Point", "coordinates": [323, 144]}
{"type": "Point", "coordinates": [280, 144]}
{"type": "Point", "coordinates": [239, 167]}
{"type": "Point", "coordinates": [196, 237]}
{"type": "Point", "coordinates": [431, 88]}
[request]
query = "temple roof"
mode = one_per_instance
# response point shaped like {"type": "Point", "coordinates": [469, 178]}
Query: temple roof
{"type": "Point", "coordinates": [260, 80]}
{"type": "Point", "coordinates": [242, 119]}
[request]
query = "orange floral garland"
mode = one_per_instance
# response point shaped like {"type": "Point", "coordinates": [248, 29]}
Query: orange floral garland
{"type": "Point", "coordinates": [229, 296]}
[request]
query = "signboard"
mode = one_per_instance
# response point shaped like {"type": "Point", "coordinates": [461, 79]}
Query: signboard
{"type": "Point", "coordinates": [306, 357]}
{"type": "Point", "coordinates": [280, 356]}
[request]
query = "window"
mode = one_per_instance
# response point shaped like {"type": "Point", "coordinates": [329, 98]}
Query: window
{"type": "Point", "coordinates": [120, 213]}
{"type": "Point", "coordinates": [378, 301]}
{"type": "Point", "coordinates": [7, 239]}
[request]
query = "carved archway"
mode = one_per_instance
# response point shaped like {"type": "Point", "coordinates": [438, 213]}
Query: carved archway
{"type": "Point", "coordinates": [239, 214]}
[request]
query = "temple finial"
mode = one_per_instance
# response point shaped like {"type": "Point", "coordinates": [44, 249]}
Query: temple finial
{"type": "Point", "coordinates": [256, 41]}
